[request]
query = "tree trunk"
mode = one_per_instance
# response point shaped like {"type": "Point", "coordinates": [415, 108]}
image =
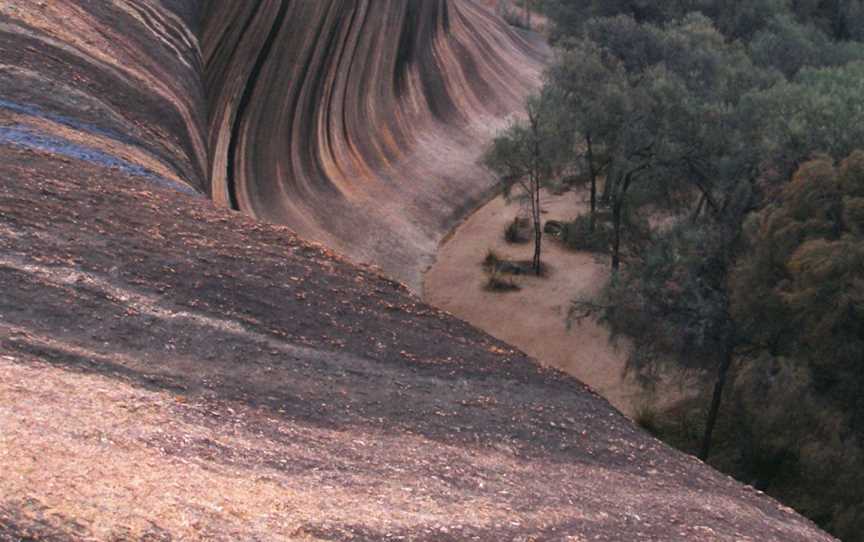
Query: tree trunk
{"type": "Point", "coordinates": [714, 410]}
{"type": "Point", "coordinates": [535, 182]}
{"type": "Point", "coordinates": [608, 189]}
{"type": "Point", "coordinates": [618, 216]}
{"type": "Point", "coordinates": [698, 210]}
{"type": "Point", "coordinates": [592, 173]}
{"type": "Point", "coordinates": [538, 231]}
{"type": "Point", "coordinates": [616, 239]}
{"type": "Point", "coordinates": [527, 14]}
{"type": "Point", "coordinates": [538, 236]}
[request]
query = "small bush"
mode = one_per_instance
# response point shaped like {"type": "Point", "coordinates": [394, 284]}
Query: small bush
{"type": "Point", "coordinates": [511, 233]}
{"type": "Point", "coordinates": [499, 282]}
{"type": "Point", "coordinates": [647, 417]}
{"type": "Point", "coordinates": [578, 235]}
{"type": "Point", "coordinates": [516, 231]}
{"type": "Point", "coordinates": [555, 228]}
{"type": "Point", "coordinates": [499, 273]}
{"type": "Point", "coordinates": [492, 261]}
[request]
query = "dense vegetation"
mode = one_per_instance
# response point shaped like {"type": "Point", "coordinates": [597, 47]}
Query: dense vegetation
{"type": "Point", "coordinates": [718, 140]}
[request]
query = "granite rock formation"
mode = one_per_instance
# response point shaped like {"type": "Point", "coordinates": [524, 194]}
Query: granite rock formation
{"type": "Point", "coordinates": [171, 369]}
{"type": "Point", "coordinates": [371, 143]}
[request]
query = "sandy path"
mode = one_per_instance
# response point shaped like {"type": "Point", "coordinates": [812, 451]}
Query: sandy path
{"type": "Point", "coordinates": [533, 318]}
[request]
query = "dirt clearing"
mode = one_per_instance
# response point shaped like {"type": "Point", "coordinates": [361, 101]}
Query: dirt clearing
{"type": "Point", "coordinates": [534, 317]}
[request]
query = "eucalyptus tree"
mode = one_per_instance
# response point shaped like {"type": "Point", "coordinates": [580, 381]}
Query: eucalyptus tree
{"type": "Point", "coordinates": [797, 296]}
{"type": "Point", "coordinates": [525, 157]}
{"type": "Point", "coordinates": [799, 292]}
{"type": "Point", "coordinates": [683, 148]}
{"type": "Point", "coordinates": [752, 281]}
{"type": "Point", "coordinates": [594, 96]}
{"type": "Point", "coordinates": [660, 103]}
{"type": "Point", "coordinates": [817, 111]}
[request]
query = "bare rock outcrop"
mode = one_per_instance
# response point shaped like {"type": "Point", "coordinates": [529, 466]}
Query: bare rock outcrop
{"type": "Point", "coordinates": [370, 142]}
{"type": "Point", "coordinates": [170, 369]}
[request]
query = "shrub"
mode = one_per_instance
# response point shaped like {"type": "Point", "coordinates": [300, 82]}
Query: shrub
{"type": "Point", "coordinates": [499, 273]}
{"type": "Point", "coordinates": [516, 231]}
{"type": "Point", "coordinates": [491, 261]}
{"type": "Point", "coordinates": [499, 282]}
{"type": "Point", "coordinates": [647, 417]}
{"type": "Point", "coordinates": [578, 235]}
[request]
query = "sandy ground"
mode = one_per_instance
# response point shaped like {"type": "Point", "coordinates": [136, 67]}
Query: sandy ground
{"type": "Point", "coordinates": [533, 318]}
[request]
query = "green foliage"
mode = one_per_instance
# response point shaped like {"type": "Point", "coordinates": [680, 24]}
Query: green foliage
{"type": "Point", "coordinates": [525, 157]}
{"type": "Point", "coordinates": [659, 105]}
{"type": "Point", "coordinates": [513, 233]}
{"type": "Point", "coordinates": [500, 272]}
{"type": "Point", "coordinates": [741, 19]}
{"type": "Point", "coordinates": [527, 150]}
{"type": "Point", "coordinates": [780, 437]}
{"type": "Point", "coordinates": [798, 296]}
{"type": "Point", "coordinates": [579, 234]}
{"type": "Point", "coordinates": [671, 301]}
{"type": "Point", "coordinates": [789, 46]}
{"type": "Point", "coordinates": [591, 87]}
{"type": "Point", "coordinates": [840, 19]}
{"type": "Point", "coordinates": [514, 16]}
{"type": "Point", "coordinates": [793, 444]}
{"type": "Point", "coordinates": [700, 112]}
{"type": "Point", "coordinates": [737, 19]}
{"type": "Point", "coordinates": [497, 281]}
{"type": "Point", "coordinates": [819, 111]}
{"type": "Point", "coordinates": [806, 264]}
{"type": "Point", "coordinates": [491, 260]}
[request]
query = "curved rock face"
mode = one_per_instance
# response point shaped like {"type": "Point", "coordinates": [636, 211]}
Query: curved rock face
{"type": "Point", "coordinates": [113, 82]}
{"type": "Point", "coordinates": [170, 369]}
{"type": "Point", "coordinates": [356, 123]}
{"type": "Point", "coordinates": [359, 123]}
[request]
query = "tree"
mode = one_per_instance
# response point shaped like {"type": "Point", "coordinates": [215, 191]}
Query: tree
{"type": "Point", "coordinates": [790, 45]}
{"type": "Point", "coordinates": [673, 303]}
{"type": "Point", "coordinates": [752, 281]}
{"type": "Point", "coordinates": [806, 266]}
{"type": "Point", "coordinates": [798, 296]}
{"type": "Point", "coordinates": [836, 20]}
{"type": "Point", "coordinates": [569, 16]}
{"type": "Point", "coordinates": [683, 145]}
{"type": "Point", "coordinates": [525, 156]}
{"type": "Point", "coordinates": [660, 102]}
{"type": "Point", "coordinates": [593, 94]}
{"type": "Point", "coordinates": [818, 111]}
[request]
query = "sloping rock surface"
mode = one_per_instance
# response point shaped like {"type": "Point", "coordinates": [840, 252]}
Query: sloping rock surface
{"type": "Point", "coordinates": [371, 143]}
{"type": "Point", "coordinates": [170, 369]}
